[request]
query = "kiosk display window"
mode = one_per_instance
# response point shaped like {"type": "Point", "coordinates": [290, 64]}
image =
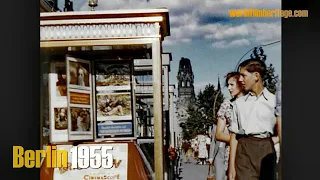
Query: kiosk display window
{"type": "Point", "coordinates": [90, 99]}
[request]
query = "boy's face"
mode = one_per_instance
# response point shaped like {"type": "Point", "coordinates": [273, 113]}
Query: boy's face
{"type": "Point", "coordinates": [248, 79]}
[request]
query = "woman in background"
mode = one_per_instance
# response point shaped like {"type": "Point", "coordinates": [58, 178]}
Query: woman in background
{"type": "Point", "coordinates": [185, 148]}
{"type": "Point", "coordinates": [208, 143]}
{"type": "Point", "coordinates": [220, 152]}
{"type": "Point", "coordinates": [195, 152]}
{"type": "Point", "coordinates": [189, 152]}
{"type": "Point", "coordinates": [203, 153]}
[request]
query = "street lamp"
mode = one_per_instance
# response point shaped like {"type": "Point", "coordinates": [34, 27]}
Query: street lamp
{"type": "Point", "coordinates": [236, 68]}
{"type": "Point", "coordinates": [214, 104]}
{"type": "Point", "coordinates": [92, 4]}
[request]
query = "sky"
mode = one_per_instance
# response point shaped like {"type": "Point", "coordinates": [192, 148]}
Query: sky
{"type": "Point", "coordinates": [202, 31]}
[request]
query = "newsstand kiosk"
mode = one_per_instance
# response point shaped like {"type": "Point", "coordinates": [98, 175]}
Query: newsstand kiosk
{"type": "Point", "coordinates": [88, 87]}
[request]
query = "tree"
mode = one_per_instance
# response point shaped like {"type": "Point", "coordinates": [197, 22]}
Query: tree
{"type": "Point", "coordinates": [205, 102]}
{"type": "Point", "coordinates": [193, 124]}
{"type": "Point", "coordinates": [269, 80]}
{"type": "Point", "coordinates": [185, 131]}
{"type": "Point", "coordinates": [201, 116]}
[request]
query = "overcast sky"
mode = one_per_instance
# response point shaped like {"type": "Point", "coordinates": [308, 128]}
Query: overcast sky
{"type": "Point", "coordinates": [202, 31]}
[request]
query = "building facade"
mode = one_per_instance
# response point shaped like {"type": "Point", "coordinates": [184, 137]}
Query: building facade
{"type": "Point", "coordinates": [186, 96]}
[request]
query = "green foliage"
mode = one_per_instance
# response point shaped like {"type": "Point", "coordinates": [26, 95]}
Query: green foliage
{"type": "Point", "coordinates": [270, 80]}
{"type": "Point", "coordinates": [206, 100]}
{"type": "Point", "coordinates": [202, 115]}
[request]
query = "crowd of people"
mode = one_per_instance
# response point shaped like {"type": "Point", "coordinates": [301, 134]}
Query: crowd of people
{"type": "Point", "coordinates": [198, 148]}
{"type": "Point", "coordinates": [242, 145]}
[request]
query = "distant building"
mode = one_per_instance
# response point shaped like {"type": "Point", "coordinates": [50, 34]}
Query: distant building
{"type": "Point", "coordinates": [186, 95]}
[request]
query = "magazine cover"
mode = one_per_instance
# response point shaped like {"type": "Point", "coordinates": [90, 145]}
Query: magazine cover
{"type": "Point", "coordinates": [79, 73]}
{"type": "Point", "coordinates": [80, 108]}
{"type": "Point", "coordinates": [58, 102]}
{"type": "Point", "coordinates": [112, 77]}
{"type": "Point", "coordinates": [113, 106]}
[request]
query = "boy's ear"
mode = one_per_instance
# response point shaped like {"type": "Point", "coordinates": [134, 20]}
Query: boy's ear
{"type": "Point", "coordinates": [256, 76]}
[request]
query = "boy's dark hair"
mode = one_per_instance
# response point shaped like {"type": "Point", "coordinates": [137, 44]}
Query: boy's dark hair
{"type": "Point", "coordinates": [254, 65]}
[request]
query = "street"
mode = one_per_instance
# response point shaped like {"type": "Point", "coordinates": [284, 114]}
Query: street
{"type": "Point", "coordinates": [192, 171]}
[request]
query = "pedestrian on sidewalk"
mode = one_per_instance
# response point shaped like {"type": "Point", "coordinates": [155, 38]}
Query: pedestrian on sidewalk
{"type": "Point", "coordinates": [196, 152]}
{"type": "Point", "coordinates": [203, 154]}
{"type": "Point", "coordinates": [252, 152]}
{"type": "Point", "coordinates": [220, 153]}
{"type": "Point", "coordinates": [208, 143]}
{"type": "Point", "coordinates": [185, 149]}
{"type": "Point", "coordinates": [189, 152]}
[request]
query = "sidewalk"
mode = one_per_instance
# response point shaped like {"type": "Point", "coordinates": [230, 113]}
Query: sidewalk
{"type": "Point", "coordinates": [193, 171]}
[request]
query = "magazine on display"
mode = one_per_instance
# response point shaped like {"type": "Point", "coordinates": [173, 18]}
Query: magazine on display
{"type": "Point", "coordinates": [58, 112]}
{"type": "Point", "coordinates": [80, 124]}
{"type": "Point", "coordinates": [112, 77]}
{"type": "Point", "coordinates": [79, 73]}
{"type": "Point", "coordinates": [113, 106]}
{"type": "Point", "coordinates": [113, 99]}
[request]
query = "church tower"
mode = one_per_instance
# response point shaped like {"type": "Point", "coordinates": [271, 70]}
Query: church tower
{"type": "Point", "coordinates": [185, 80]}
{"type": "Point", "coordinates": [186, 95]}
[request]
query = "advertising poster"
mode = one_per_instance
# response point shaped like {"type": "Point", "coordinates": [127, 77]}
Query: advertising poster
{"type": "Point", "coordinates": [113, 99]}
{"type": "Point", "coordinates": [60, 118]}
{"type": "Point", "coordinates": [60, 81]}
{"type": "Point", "coordinates": [112, 76]}
{"type": "Point", "coordinates": [79, 73]}
{"type": "Point", "coordinates": [105, 129]}
{"type": "Point", "coordinates": [58, 112]}
{"type": "Point", "coordinates": [119, 170]}
{"type": "Point", "coordinates": [79, 98]}
{"type": "Point", "coordinates": [80, 117]}
{"type": "Point", "coordinates": [113, 106]}
{"type": "Point", "coordinates": [80, 120]}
